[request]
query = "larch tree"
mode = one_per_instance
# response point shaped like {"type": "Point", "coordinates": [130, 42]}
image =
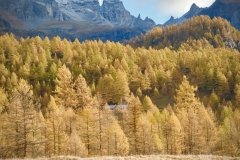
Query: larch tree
{"type": "Point", "coordinates": [193, 141]}
{"type": "Point", "coordinates": [171, 132]}
{"type": "Point", "coordinates": [114, 141]}
{"type": "Point", "coordinates": [185, 95]}
{"type": "Point", "coordinates": [14, 79]}
{"type": "Point", "coordinates": [64, 92]}
{"type": "Point", "coordinates": [176, 140]}
{"type": "Point", "coordinates": [3, 100]}
{"type": "Point", "coordinates": [39, 148]}
{"type": "Point", "coordinates": [209, 129]}
{"type": "Point", "coordinates": [166, 130]}
{"type": "Point", "coordinates": [120, 87]}
{"type": "Point", "coordinates": [152, 120]}
{"type": "Point", "coordinates": [69, 118]}
{"type": "Point", "coordinates": [114, 88]}
{"type": "Point", "coordinates": [187, 107]}
{"type": "Point", "coordinates": [2, 81]}
{"type": "Point", "coordinates": [132, 127]}
{"type": "Point", "coordinates": [76, 146]}
{"type": "Point", "coordinates": [145, 82]}
{"type": "Point", "coordinates": [104, 87]}
{"type": "Point", "coordinates": [103, 139]}
{"type": "Point", "coordinates": [236, 119]}
{"type": "Point", "coordinates": [237, 94]}
{"type": "Point", "coordinates": [228, 143]}
{"type": "Point", "coordinates": [139, 92]}
{"type": "Point", "coordinates": [156, 92]}
{"type": "Point", "coordinates": [222, 86]}
{"type": "Point", "coordinates": [88, 129]}
{"type": "Point", "coordinates": [94, 107]}
{"type": "Point", "coordinates": [227, 133]}
{"type": "Point", "coordinates": [55, 130]}
{"type": "Point", "coordinates": [120, 141]}
{"type": "Point", "coordinates": [145, 136]}
{"type": "Point", "coordinates": [148, 105]}
{"type": "Point", "coordinates": [83, 94]}
{"type": "Point", "coordinates": [24, 130]}
{"type": "Point", "coordinates": [102, 123]}
{"type": "Point", "coordinates": [213, 100]}
{"type": "Point", "coordinates": [3, 114]}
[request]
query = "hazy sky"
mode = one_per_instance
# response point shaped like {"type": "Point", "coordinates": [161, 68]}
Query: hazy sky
{"type": "Point", "coordinates": [161, 10]}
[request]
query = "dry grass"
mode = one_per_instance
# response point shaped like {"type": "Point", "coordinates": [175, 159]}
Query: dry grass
{"type": "Point", "coordinates": [151, 157]}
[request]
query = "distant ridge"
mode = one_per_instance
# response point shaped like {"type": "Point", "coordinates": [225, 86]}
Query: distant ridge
{"type": "Point", "coordinates": [227, 9]}
{"type": "Point", "coordinates": [194, 10]}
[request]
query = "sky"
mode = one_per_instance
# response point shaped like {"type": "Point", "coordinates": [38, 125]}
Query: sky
{"type": "Point", "coordinates": [161, 10]}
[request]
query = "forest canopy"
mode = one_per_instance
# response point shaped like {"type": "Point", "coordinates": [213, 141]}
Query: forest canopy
{"type": "Point", "coordinates": [217, 31]}
{"type": "Point", "coordinates": [55, 98]}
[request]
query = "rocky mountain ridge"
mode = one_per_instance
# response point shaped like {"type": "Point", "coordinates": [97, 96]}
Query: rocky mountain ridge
{"type": "Point", "coordinates": [194, 10]}
{"type": "Point", "coordinates": [81, 19]}
{"type": "Point", "coordinates": [227, 9]}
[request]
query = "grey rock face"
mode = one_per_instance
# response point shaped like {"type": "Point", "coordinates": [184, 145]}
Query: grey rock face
{"type": "Point", "coordinates": [81, 10]}
{"type": "Point", "coordinates": [230, 43]}
{"type": "Point", "coordinates": [115, 12]}
{"type": "Point", "coordinates": [145, 24]}
{"type": "Point", "coordinates": [4, 24]}
{"type": "Point", "coordinates": [111, 12]}
{"type": "Point", "coordinates": [28, 10]}
{"type": "Point", "coordinates": [71, 19]}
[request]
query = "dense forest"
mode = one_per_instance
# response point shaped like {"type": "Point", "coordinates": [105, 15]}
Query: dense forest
{"type": "Point", "coordinates": [217, 31]}
{"type": "Point", "coordinates": [56, 98]}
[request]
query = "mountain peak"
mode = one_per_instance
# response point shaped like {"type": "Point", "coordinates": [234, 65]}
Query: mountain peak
{"type": "Point", "coordinates": [194, 10]}
{"type": "Point", "coordinates": [171, 18]}
{"type": "Point", "coordinates": [194, 7]}
{"type": "Point", "coordinates": [139, 16]}
{"type": "Point", "coordinates": [227, 9]}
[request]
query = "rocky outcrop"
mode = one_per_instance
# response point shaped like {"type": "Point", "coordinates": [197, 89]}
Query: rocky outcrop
{"type": "Point", "coordinates": [81, 10]}
{"type": "Point", "coordinates": [194, 10]}
{"type": "Point", "coordinates": [145, 24]}
{"type": "Point", "coordinates": [115, 12]}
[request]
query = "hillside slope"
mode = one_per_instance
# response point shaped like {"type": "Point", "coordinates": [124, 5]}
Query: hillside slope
{"type": "Point", "coordinates": [94, 89]}
{"type": "Point", "coordinates": [216, 31]}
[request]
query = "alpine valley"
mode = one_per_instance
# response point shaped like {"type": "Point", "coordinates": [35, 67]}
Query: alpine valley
{"type": "Point", "coordinates": [83, 81]}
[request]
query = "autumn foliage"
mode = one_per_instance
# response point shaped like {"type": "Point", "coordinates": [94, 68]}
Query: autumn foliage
{"type": "Point", "coordinates": [56, 98]}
